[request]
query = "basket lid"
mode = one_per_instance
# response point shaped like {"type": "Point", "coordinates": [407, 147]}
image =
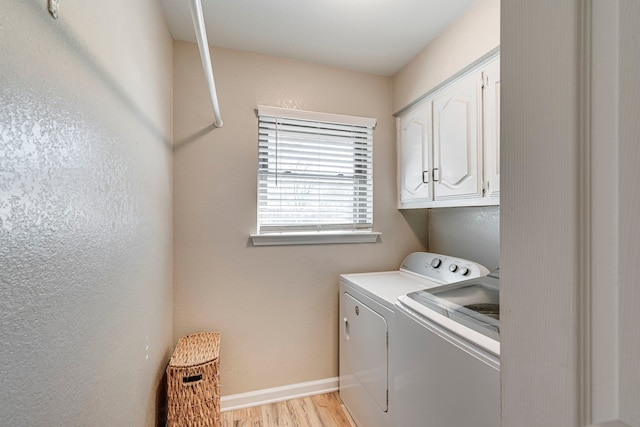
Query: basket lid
{"type": "Point", "coordinates": [196, 349]}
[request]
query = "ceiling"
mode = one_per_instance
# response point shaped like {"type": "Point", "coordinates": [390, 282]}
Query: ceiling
{"type": "Point", "coordinates": [375, 36]}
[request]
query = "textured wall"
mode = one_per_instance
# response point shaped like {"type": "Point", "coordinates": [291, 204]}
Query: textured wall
{"type": "Point", "coordinates": [85, 212]}
{"type": "Point", "coordinates": [277, 307]}
{"type": "Point", "coordinates": [539, 207]}
{"type": "Point", "coordinates": [471, 233]}
{"type": "Point", "coordinates": [629, 291]}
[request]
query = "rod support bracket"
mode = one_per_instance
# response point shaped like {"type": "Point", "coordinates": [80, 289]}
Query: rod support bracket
{"type": "Point", "coordinates": [53, 6]}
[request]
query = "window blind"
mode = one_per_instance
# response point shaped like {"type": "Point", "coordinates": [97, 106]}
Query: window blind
{"type": "Point", "coordinates": [315, 171]}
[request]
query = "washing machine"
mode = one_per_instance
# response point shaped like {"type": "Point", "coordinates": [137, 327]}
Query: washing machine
{"type": "Point", "coordinates": [367, 321]}
{"type": "Point", "coordinates": [447, 369]}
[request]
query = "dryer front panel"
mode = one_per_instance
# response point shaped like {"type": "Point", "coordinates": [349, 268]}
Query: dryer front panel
{"type": "Point", "coordinates": [365, 348]}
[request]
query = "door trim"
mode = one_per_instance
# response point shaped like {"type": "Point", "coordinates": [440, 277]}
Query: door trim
{"type": "Point", "coordinates": [598, 202]}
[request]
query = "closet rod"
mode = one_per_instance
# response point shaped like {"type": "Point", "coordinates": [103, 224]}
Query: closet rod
{"type": "Point", "coordinates": [203, 45]}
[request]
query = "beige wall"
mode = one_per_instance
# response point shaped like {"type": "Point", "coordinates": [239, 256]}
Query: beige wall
{"type": "Point", "coordinates": [85, 212]}
{"type": "Point", "coordinates": [469, 38]}
{"type": "Point", "coordinates": [277, 307]}
{"type": "Point", "coordinates": [471, 233]}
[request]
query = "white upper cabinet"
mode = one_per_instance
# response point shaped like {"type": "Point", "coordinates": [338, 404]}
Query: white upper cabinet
{"type": "Point", "coordinates": [448, 144]}
{"type": "Point", "coordinates": [491, 109]}
{"type": "Point", "coordinates": [414, 139]}
{"type": "Point", "coordinates": [456, 141]}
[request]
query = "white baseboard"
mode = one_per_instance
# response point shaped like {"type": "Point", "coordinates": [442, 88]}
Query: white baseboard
{"type": "Point", "coordinates": [277, 394]}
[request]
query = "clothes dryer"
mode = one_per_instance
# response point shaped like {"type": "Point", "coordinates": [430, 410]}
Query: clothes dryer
{"type": "Point", "coordinates": [367, 318]}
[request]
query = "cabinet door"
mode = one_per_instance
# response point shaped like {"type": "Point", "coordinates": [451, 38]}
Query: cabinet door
{"type": "Point", "coordinates": [491, 119]}
{"type": "Point", "coordinates": [457, 141]}
{"type": "Point", "coordinates": [414, 142]}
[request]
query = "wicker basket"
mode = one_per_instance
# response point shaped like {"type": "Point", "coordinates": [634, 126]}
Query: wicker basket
{"type": "Point", "coordinates": [193, 383]}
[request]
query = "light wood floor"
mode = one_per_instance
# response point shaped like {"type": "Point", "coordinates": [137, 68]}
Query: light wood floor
{"type": "Point", "coordinates": [323, 410]}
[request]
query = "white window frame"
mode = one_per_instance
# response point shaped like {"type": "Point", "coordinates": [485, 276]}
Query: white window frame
{"type": "Point", "coordinates": [276, 236]}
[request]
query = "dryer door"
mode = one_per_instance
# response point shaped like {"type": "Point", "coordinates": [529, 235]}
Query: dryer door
{"type": "Point", "coordinates": [365, 348]}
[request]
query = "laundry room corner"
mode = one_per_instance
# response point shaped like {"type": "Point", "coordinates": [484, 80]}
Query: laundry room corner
{"type": "Point", "coordinates": [276, 306]}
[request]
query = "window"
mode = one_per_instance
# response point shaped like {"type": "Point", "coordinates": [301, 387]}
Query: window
{"type": "Point", "coordinates": [315, 177]}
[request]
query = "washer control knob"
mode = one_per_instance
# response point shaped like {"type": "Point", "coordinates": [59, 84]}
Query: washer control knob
{"type": "Point", "coordinates": [453, 268]}
{"type": "Point", "coordinates": [464, 271]}
{"type": "Point", "coordinates": [436, 262]}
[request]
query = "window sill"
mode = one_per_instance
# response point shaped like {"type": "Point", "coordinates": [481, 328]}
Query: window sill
{"type": "Point", "coordinates": [281, 239]}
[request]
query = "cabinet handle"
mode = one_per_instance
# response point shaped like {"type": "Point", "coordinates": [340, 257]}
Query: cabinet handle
{"type": "Point", "coordinates": [434, 175]}
{"type": "Point", "coordinates": [425, 176]}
